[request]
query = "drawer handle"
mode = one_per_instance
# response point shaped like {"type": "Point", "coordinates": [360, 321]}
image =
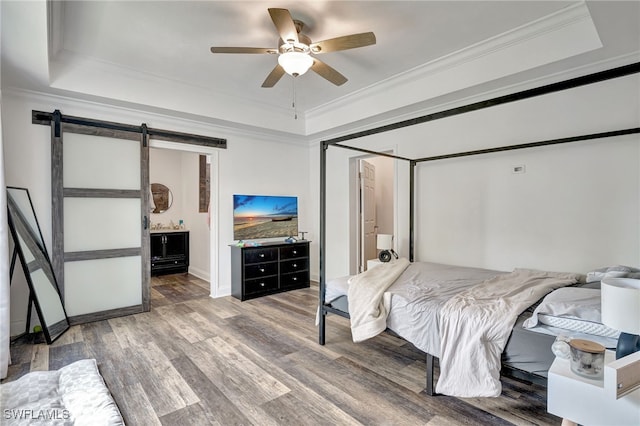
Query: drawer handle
{"type": "Point", "coordinates": [295, 278]}
{"type": "Point", "coordinates": [261, 254]}
{"type": "Point", "coordinates": [261, 284]}
{"type": "Point", "coordinates": [295, 265]}
{"type": "Point", "coordinates": [261, 269]}
{"type": "Point", "coordinates": [295, 252]}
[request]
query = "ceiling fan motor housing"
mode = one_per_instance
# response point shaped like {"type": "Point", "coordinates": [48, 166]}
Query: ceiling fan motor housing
{"type": "Point", "coordinates": [291, 46]}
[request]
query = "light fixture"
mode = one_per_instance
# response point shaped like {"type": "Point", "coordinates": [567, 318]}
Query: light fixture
{"type": "Point", "coordinates": [294, 57]}
{"type": "Point", "coordinates": [384, 243]}
{"type": "Point", "coordinates": [295, 63]}
{"type": "Point", "coordinates": [621, 311]}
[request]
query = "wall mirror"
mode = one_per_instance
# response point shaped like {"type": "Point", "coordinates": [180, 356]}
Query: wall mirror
{"type": "Point", "coordinates": [29, 247]}
{"type": "Point", "coordinates": [162, 198]}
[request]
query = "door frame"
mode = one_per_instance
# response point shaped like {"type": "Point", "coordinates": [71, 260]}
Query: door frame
{"type": "Point", "coordinates": [354, 207]}
{"type": "Point", "coordinates": [213, 152]}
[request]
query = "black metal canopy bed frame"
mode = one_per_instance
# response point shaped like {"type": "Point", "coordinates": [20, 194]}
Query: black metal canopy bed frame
{"type": "Point", "coordinates": [326, 307]}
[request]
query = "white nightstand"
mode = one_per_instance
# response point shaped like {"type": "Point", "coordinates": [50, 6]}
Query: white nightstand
{"type": "Point", "coordinates": [372, 263]}
{"type": "Point", "coordinates": [587, 402]}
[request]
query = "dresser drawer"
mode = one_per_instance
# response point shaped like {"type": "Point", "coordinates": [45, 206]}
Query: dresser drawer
{"type": "Point", "coordinates": [297, 279]}
{"type": "Point", "coordinates": [294, 251]}
{"type": "Point", "coordinates": [294, 265]}
{"type": "Point", "coordinates": [261, 285]}
{"type": "Point", "coordinates": [260, 255]}
{"type": "Point", "coordinates": [260, 270]}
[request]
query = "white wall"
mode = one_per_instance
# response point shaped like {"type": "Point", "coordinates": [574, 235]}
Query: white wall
{"type": "Point", "coordinates": [253, 163]}
{"type": "Point", "coordinates": [576, 208]}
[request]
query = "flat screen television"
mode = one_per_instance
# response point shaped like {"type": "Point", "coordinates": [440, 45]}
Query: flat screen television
{"type": "Point", "coordinates": [264, 216]}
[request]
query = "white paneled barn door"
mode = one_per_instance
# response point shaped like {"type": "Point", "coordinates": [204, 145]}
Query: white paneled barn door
{"type": "Point", "coordinates": [100, 220]}
{"type": "Point", "coordinates": [100, 212]}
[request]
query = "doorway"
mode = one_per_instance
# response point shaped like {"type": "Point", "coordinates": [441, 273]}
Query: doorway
{"type": "Point", "coordinates": [178, 165]}
{"type": "Point", "coordinates": [372, 212]}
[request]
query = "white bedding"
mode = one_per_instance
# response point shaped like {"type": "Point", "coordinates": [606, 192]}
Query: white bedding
{"type": "Point", "coordinates": [476, 323]}
{"type": "Point", "coordinates": [368, 303]}
{"type": "Point", "coordinates": [417, 296]}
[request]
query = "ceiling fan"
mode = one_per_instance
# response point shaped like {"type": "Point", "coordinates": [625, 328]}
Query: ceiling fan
{"type": "Point", "coordinates": [295, 49]}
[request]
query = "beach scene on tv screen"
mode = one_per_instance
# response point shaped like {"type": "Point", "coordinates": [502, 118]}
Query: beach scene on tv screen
{"type": "Point", "coordinates": [264, 216]}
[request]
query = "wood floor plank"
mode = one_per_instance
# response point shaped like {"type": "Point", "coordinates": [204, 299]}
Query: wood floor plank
{"type": "Point", "coordinates": [197, 360]}
{"type": "Point", "coordinates": [60, 356]}
{"type": "Point", "coordinates": [236, 385]}
{"type": "Point", "coordinates": [40, 358]}
{"type": "Point", "coordinates": [291, 410]}
{"type": "Point", "coordinates": [194, 414]}
{"type": "Point", "coordinates": [124, 328]}
{"type": "Point", "coordinates": [215, 407]}
{"type": "Point", "coordinates": [135, 406]}
{"type": "Point", "coordinates": [166, 389]}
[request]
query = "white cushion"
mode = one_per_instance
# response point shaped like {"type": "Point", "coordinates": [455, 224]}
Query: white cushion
{"type": "Point", "coordinates": [73, 395]}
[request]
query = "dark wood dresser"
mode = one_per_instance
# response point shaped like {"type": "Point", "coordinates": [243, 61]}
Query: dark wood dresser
{"type": "Point", "coordinates": [269, 268]}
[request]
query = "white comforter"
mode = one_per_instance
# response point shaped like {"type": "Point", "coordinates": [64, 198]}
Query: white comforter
{"type": "Point", "coordinates": [475, 326]}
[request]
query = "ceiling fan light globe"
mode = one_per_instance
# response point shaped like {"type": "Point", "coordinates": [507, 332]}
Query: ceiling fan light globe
{"type": "Point", "coordinates": [295, 63]}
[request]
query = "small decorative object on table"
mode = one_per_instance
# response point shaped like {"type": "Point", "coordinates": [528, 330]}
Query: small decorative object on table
{"type": "Point", "coordinates": [587, 358]}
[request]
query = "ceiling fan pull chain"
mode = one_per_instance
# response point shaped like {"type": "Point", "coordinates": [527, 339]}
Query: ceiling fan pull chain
{"type": "Point", "coordinates": [293, 104]}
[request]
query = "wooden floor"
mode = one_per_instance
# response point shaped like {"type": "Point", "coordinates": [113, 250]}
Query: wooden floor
{"type": "Point", "coordinates": [197, 360]}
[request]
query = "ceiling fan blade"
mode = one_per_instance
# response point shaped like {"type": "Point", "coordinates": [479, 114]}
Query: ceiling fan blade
{"type": "Point", "coordinates": [327, 72]}
{"type": "Point", "coordinates": [284, 24]}
{"type": "Point", "coordinates": [243, 50]}
{"type": "Point", "coordinates": [274, 76]}
{"type": "Point", "coordinates": [343, 43]}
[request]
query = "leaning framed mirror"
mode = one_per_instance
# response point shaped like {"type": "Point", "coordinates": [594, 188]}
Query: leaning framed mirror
{"type": "Point", "coordinates": [30, 249]}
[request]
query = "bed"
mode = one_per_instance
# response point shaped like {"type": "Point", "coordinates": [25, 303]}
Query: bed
{"type": "Point", "coordinates": [526, 352]}
{"type": "Point", "coordinates": [417, 295]}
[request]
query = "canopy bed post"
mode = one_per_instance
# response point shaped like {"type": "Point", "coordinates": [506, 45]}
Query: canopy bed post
{"type": "Point", "coordinates": [412, 170]}
{"type": "Point", "coordinates": [322, 314]}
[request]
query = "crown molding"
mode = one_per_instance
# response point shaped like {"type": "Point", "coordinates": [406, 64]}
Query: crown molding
{"type": "Point", "coordinates": [124, 112]}
{"type": "Point", "coordinates": [553, 37]}
{"type": "Point", "coordinates": [429, 107]}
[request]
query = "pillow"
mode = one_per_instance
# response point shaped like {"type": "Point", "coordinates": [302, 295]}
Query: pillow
{"type": "Point", "coordinates": [618, 271]}
{"type": "Point", "coordinates": [572, 308]}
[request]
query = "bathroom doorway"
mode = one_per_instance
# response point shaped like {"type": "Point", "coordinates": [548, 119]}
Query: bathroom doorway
{"type": "Point", "coordinates": [373, 209]}
{"type": "Point", "coordinates": [178, 166]}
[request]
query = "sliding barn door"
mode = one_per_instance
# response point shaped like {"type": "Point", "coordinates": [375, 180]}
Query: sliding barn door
{"type": "Point", "coordinates": [100, 219]}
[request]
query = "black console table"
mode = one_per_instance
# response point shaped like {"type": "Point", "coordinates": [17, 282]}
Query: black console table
{"type": "Point", "coordinates": [269, 268]}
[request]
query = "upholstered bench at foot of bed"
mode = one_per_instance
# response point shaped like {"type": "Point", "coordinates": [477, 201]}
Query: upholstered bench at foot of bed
{"type": "Point", "coordinates": [73, 395]}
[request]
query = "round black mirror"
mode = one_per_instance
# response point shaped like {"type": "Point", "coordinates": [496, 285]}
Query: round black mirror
{"type": "Point", "coordinates": [162, 198]}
